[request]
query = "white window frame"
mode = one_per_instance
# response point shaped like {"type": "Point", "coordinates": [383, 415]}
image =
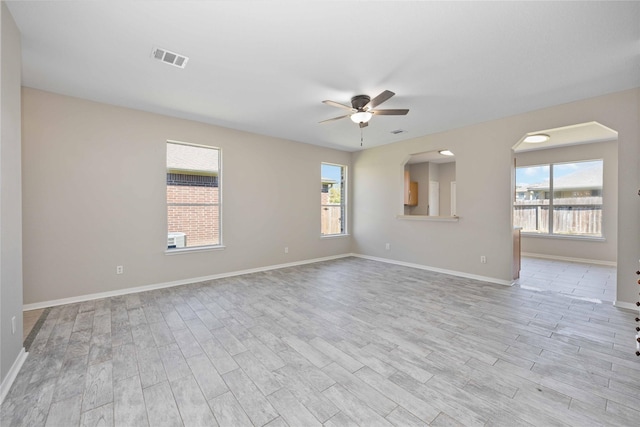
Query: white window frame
{"type": "Point", "coordinates": [551, 205]}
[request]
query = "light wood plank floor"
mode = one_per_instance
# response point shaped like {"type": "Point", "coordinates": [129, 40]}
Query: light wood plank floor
{"type": "Point", "coordinates": [346, 342]}
{"type": "Point", "coordinates": [573, 279]}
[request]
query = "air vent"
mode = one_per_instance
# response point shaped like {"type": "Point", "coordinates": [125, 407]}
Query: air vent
{"type": "Point", "coordinates": [397, 131]}
{"type": "Point", "coordinates": [169, 57]}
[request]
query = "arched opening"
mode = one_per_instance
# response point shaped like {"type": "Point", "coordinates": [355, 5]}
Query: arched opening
{"type": "Point", "coordinates": [564, 210]}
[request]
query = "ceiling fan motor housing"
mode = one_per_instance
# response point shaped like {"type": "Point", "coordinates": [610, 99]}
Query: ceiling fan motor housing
{"type": "Point", "coordinates": [359, 101]}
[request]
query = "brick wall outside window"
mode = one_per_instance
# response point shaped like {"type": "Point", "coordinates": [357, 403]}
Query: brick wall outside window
{"type": "Point", "coordinates": [194, 209]}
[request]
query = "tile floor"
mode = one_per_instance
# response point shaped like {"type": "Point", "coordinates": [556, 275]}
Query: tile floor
{"type": "Point", "coordinates": [572, 279]}
{"type": "Point", "coordinates": [342, 343]}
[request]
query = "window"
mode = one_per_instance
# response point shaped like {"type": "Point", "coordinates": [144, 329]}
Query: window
{"type": "Point", "coordinates": [333, 199]}
{"type": "Point", "coordinates": [560, 199]}
{"type": "Point", "coordinates": [193, 195]}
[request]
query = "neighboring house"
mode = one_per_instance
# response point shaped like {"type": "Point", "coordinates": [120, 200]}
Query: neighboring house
{"type": "Point", "coordinates": [192, 191]}
{"type": "Point", "coordinates": [522, 193]}
{"type": "Point", "coordinates": [582, 183]}
{"type": "Point", "coordinates": [327, 184]}
{"type": "Point", "coordinates": [576, 201]}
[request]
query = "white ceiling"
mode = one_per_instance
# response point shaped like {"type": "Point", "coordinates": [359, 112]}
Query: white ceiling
{"type": "Point", "coordinates": [581, 133]}
{"type": "Point", "coordinates": [265, 66]}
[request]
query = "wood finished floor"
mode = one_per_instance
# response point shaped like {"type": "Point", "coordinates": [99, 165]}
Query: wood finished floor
{"type": "Point", "coordinates": [573, 279]}
{"type": "Point", "coordinates": [340, 343]}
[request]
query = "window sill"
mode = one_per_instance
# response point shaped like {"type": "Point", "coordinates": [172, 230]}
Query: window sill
{"type": "Point", "coordinates": [563, 237]}
{"type": "Point", "coordinates": [333, 236]}
{"type": "Point", "coordinates": [181, 251]}
{"type": "Point", "coordinates": [429, 218]}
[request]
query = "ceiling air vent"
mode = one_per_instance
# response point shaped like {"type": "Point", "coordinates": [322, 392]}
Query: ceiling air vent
{"type": "Point", "coordinates": [169, 57]}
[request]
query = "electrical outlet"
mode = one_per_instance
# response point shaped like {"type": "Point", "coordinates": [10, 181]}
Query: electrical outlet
{"type": "Point", "coordinates": [119, 269]}
{"type": "Point", "coordinates": [387, 246]}
{"type": "Point", "coordinates": [13, 325]}
{"type": "Point", "coordinates": [483, 259]}
{"type": "Point", "coordinates": [286, 249]}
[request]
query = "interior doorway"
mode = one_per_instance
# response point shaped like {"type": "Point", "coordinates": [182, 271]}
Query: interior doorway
{"type": "Point", "coordinates": [565, 205]}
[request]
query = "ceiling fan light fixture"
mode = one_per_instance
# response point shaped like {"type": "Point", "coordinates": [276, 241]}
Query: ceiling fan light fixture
{"type": "Point", "coordinates": [361, 117]}
{"type": "Point", "coordinates": [446, 152]}
{"type": "Point", "coordinates": [362, 108]}
{"type": "Point", "coordinates": [537, 138]}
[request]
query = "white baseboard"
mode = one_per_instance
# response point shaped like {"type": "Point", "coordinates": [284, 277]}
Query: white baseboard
{"type": "Point", "coordinates": [626, 305]}
{"type": "Point", "coordinates": [12, 374]}
{"type": "Point", "coordinates": [569, 259]}
{"type": "Point", "coordinates": [108, 294]}
{"type": "Point", "coordinates": [439, 270]}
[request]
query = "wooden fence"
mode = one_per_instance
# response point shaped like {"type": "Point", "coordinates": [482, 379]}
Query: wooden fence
{"type": "Point", "coordinates": [577, 216]}
{"type": "Point", "coordinates": [331, 223]}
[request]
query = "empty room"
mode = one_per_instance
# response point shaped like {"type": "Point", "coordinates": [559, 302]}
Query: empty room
{"type": "Point", "coordinates": [327, 213]}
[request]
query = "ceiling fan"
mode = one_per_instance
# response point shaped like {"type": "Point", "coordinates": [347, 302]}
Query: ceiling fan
{"type": "Point", "coordinates": [362, 108]}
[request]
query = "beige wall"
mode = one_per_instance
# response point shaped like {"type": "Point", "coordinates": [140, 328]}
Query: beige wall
{"type": "Point", "coordinates": [94, 198]}
{"type": "Point", "coordinates": [72, 244]}
{"type": "Point", "coordinates": [597, 250]}
{"type": "Point", "coordinates": [484, 166]}
{"type": "Point", "coordinates": [10, 194]}
{"type": "Point", "coordinates": [482, 229]}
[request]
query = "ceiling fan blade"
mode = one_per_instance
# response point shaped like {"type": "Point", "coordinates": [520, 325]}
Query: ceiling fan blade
{"type": "Point", "coordinates": [337, 104]}
{"type": "Point", "coordinates": [379, 99]}
{"type": "Point", "coordinates": [335, 118]}
{"type": "Point", "coordinates": [394, 112]}
{"type": "Point", "coordinates": [364, 124]}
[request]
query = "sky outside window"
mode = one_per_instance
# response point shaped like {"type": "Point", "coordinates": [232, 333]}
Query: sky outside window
{"type": "Point", "coordinates": [331, 172]}
{"type": "Point", "coordinates": [540, 174]}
